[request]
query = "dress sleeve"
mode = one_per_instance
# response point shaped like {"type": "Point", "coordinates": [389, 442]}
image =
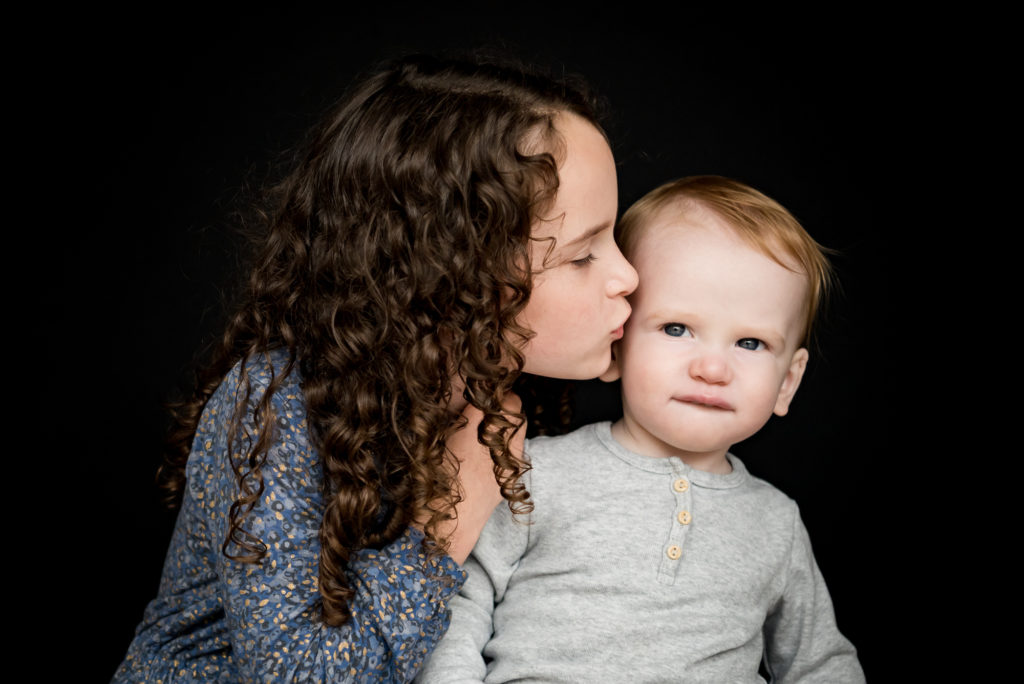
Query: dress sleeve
{"type": "Point", "coordinates": [802, 642]}
{"type": "Point", "coordinates": [458, 657]}
{"type": "Point", "coordinates": [399, 610]}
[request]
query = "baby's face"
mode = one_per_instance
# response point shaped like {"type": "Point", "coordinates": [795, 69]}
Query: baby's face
{"type": "Point", "coordinates": [711, 350]}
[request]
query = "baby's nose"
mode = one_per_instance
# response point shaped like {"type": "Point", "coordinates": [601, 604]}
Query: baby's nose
{"type": "Point", "coordinates": [711, 367]}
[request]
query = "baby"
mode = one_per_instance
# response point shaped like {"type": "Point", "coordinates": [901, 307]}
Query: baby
{"type": "Point", "coordinates": [651, 553]}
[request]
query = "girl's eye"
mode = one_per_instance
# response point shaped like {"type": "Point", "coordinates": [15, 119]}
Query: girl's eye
{"type": "Point", "coordinates": [590, 258]}
{"type": "Point", "coordinates": [751, 343]}
{"type": "Point", "coordinates": [676, 330]}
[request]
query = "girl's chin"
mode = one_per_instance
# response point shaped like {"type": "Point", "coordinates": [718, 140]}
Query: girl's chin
{"type": "Point", "coordinates": [570, 371]}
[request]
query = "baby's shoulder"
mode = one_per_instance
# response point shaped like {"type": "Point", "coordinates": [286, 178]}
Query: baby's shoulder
{"type": "Point", "coordinates": [768, 504]}
{"type": "Point", "coordinates": [771, 494]}
{"type": "Point", "coordinates": [569, 451]}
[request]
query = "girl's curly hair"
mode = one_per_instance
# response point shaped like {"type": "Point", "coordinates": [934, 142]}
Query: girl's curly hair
{"type": "Point", "coordinates": [395, 258]}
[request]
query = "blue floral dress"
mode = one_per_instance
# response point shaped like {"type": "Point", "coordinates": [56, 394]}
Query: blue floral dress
{"type": "Point", "coordinates": [220, 620]}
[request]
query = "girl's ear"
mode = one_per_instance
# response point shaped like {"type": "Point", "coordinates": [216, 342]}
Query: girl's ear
{"type": "Point", "coordinates": [791, 382]}
{"type": "Point", "coordinates": [613, 373]}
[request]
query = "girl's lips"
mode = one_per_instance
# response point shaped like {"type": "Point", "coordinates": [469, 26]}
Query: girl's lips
{"type": "Point", "coordinates": [705, 400]}
{"type": "Point", "coordinates": [617, 333]}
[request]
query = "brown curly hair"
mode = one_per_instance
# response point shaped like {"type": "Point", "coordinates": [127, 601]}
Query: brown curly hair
{"type": "Point", "coordinates": [395, 258]}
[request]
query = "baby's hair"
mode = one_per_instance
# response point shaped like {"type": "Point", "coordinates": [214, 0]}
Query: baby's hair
{"type": "Point", "coordinates": [756, 218]}
{"type": "Point", "coordinates": [395, 255]}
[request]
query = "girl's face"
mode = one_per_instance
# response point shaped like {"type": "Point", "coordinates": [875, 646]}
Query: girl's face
{"type": "Point", "coordinates": [578, 305]}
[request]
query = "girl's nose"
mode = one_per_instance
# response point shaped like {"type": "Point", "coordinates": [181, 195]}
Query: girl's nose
{"type": "Point", "coordinates": [624, 278]}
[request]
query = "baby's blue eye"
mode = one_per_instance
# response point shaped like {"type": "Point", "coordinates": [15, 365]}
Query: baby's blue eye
{"type": "Point", "coordinates": [675, 330]}
{"type": "Point", "coordinates": [751, 343]}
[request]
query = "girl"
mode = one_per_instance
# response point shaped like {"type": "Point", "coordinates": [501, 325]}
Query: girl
{"type": "Point", "coordinates": [448, 228]}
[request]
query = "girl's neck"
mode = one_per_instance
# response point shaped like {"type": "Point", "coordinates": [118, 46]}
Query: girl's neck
{"type": "Point", "coordinates": [457, 402]}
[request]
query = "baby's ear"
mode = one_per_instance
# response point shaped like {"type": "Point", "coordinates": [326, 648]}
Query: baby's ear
{"type": "Point", "coordinates": [613, 373]}
{"type": "Point", "coordinates": [791, 382]}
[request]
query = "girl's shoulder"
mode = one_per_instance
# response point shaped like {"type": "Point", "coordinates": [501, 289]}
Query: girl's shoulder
{"type": "Point", "coordinates": [232, 419]}
{"type": "Point", "coordinates": [237, 400]}
{"type": "Point", "coordinates": [261, 368]}
{"type": "Point", "coordinates": [252, 381]}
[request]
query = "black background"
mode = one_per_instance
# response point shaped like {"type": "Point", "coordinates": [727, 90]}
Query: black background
{"type": "Point", "coordinates": [175, 120]}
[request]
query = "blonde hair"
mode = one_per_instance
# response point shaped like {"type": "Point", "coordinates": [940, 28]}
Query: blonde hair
{"type": "Point", "coordinates": [757, 219]}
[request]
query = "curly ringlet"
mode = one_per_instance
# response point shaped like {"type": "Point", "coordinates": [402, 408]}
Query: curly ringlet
{"type": "Point", "coordinates": [395, 255]}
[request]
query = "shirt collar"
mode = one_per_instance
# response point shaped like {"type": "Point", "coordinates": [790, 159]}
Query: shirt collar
{"type": "Point", "coordinates": [672, 465]}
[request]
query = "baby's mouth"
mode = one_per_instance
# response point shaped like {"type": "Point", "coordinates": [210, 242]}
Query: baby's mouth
{"type": "Point", "coordinates": [706, 401]}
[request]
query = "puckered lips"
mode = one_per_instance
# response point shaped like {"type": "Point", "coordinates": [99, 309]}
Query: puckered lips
{"type": "Point", "coordinates": [617, 333]}
{"type": "Point", "coordinates": [705, 401]}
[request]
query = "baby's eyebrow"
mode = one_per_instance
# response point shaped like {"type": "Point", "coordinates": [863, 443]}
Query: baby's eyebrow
{"type": "Point", "coordinates": [675, 314]}
{"type": "Point", "coordinates": [772, 337]}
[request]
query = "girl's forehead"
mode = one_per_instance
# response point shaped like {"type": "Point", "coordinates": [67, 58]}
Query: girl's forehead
{"type": "Point", "coordinates": [587, 196]}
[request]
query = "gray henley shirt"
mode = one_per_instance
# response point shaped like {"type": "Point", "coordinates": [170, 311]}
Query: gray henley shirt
{"type": "Point", "coordinates": [639, 569]}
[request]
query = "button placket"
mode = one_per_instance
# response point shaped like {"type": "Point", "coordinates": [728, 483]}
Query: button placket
{"type": "Point", "coordinates": [674, 547]}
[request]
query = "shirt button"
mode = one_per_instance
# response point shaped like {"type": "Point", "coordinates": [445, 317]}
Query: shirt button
{"type": "Point", "coordinates": [674, 552]}
{"type": "Point", "coordinates": [681, 485]}
{"type": "Point", "coordinates": [684, 517]}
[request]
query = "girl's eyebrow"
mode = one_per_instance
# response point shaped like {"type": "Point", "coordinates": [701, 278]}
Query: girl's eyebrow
{"type": "Point", "coordinates": [588, 234]}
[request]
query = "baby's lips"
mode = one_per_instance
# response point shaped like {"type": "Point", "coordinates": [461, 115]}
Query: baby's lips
{"type": "Point", "coordinates": [705, 400]}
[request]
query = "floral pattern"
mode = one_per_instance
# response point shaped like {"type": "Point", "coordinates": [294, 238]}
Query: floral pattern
{"type": "Point", "coordinates": [215, 619]}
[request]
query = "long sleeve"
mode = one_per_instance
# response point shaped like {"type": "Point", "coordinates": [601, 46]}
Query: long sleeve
{"type": "Point", "coordinates": [802, 642]}
{"type": "Point", "coordinates": [223, 620]}
{"type": "Point", "coordinates": [458, 658]}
